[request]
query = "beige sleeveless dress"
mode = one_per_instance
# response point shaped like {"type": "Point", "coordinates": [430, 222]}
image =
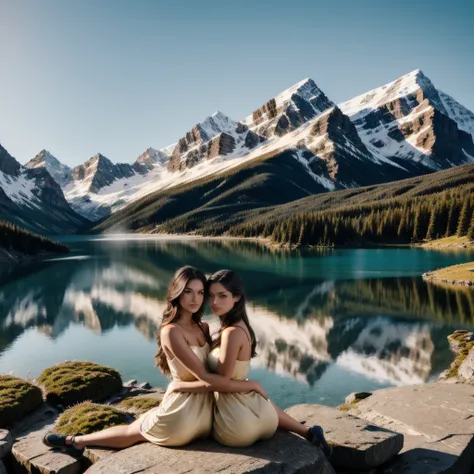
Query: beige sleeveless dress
{"type": "Point", "coordinates": [240, 419]}
{"type": "Point", "coordinates": [181, 417]}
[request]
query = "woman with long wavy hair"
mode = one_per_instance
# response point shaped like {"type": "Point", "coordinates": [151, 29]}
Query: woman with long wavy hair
{"type": "Point", "coordinates": [240, 419]}
{"type": "Point", "coordinates": [184, 344]}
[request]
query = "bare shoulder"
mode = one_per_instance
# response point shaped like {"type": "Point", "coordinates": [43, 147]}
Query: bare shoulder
{"type": "Point", "coordinates": [171, 330]}
{"type": "Point", "coordinates": [232, 333]}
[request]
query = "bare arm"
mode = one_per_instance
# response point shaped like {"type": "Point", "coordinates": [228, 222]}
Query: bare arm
{"type": "Point", "coordinates": [172, 338]}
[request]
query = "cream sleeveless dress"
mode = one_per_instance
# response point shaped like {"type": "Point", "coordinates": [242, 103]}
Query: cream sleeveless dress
{"type": "Point", "coordinates": [181, 417]}
{"type": "Point", "coordinates": [240, 419]}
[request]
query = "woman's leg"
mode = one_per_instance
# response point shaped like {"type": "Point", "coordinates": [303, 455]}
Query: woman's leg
{"type": "Point", "coordinates": [121, 436]}
{"type": "Point", "coordinates": [315, 434]}
{"type": "Point", "coordinates": [286, 422]}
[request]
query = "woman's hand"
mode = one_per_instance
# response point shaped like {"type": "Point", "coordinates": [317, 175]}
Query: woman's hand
{"type": "Point", "coordinates": [256, 387]}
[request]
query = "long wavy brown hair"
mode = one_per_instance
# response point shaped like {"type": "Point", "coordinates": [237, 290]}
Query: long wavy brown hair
{"type": "Point", "coordinates": [172, 312]}
{"type": "Point", "coordinates": [231, 282]}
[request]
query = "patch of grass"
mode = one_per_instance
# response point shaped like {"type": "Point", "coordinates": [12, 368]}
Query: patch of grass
{"type": "Point", "coordinates": [464, 271]}
{"type": "Point", "coordinates": [449, 242]}
{"type": "Point", "coordinates": [350, 406]}
{"type": "Point", "coordinates": [88, 418]}
{"type": "Point", "coordinates": [460, 343]}
{"type": "Point", "coordinates": [17, 398]}
{"type": "Point", "coordinates": [73, 382]}
{"type": "Point", "coordinates": [347, 407]}
{"type": "Point", "coordinates": [139, 405]}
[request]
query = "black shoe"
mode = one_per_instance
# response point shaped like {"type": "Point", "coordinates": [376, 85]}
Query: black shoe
{"type": "Point", "coordinates": [316, 437]}
{"type": "Point", "coordinates": [58, 441]}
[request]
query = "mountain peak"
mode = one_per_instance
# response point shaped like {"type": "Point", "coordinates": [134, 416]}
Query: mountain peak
{"type": "Point", "coordinates": [219, 121]}
{"type": "Point", "coordinates": [99, 157]}
{"type": "Point", "coordinates": [150, 157]}
{"type": "Point", "coordinates": [47, 157]}
{"type": "Point", "coordinates": [289, 109]}
{"type": "Point", "coordinates": [216, 123]}
{"type": "Point", "coordinates": [219, 115]}
{"type": "Point", "coordinates": [306, 89]}
{"type": "Point", "coordinates": [61, 173]}
{"type": "Point", "coordinates": [8, 164]}
{"type": "Point", "coordinates": [405, 86]}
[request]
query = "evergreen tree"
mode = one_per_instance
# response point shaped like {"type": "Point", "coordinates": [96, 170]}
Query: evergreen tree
{"type": "Point", "coordinates": [432, 226]}
{"type": "Point", "coordinates": [470, 231]}
{"type": "Point", "coordinates": [464, 217]}
{"type": "Point", "coordinates": [453, 216]}
{"type": "Point", "coordinates": [417, 225]}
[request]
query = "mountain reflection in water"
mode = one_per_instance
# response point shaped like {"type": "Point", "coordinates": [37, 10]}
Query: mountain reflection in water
{"type": "Point", "coordinates": [390, 330]}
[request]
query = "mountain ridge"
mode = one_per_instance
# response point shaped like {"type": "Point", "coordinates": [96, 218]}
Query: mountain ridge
{"type": "Point", "coordinates": [32, 199]}
{"type": "Point", "coordinates": [403, 128]}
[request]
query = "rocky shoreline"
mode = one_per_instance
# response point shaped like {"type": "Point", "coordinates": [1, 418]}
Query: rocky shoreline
{"type": "Point", "coordinates": [417, 429]}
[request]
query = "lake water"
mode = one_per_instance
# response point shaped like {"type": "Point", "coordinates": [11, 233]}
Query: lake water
{"type": "Point", "coordinates": [328, 322]}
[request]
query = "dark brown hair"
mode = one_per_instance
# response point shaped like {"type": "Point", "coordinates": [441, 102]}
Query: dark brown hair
{"type": "Point", "coordinates": [231, 282]}
{"type": "Point", "coordinates": [176, 287]}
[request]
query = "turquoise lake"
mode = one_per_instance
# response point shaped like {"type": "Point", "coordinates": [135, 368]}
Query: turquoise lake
{"type": "Point", "coordinates": [328, 322]}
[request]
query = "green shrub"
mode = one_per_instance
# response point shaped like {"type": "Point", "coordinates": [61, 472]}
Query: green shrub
{"type": "Point", "coordinates": [17, 398]}
{"type": "Point", "coordinates": [88, 418]}
{"type": "Point", "coordinates": [73, 382]}
{"type": "Point", "coordinates": [139, 405]}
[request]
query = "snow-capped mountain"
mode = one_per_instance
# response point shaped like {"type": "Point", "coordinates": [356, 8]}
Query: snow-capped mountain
{"type": "Point", "coordinates": [61, 173]}
{"type": "Point", "coordinates": [99, 187]}
{"type": "Point", "coordinates": [410, 121]}
{"type": "Point", "coordinates": [99, 172]}
{"type": "Point", "coordinates": [217, 135]}
{"type": "Point", "coordinates": [289, 109]}
{"type": "Point", "coordinates": [399, 354]}
{"type": "Point", "coordinates": [31, 198]}
{"type": "Point", "coordinates": [149, 158]}
{"type": "Point", "coordinates": [402, 129]}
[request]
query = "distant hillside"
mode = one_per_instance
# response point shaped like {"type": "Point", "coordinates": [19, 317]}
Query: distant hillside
{"type": "Point", "coordinates": [32, 199]}
{"type": "Point", "coordinates": [16, 244]}
{"type": "Point", "coordinates": [409, 211]}
{"type": "Point", "coordinates": [399, 130]}
{"type": "Point", "coordinates": [254, 202]}
{"type": "Point", "coordinates": [272, 179]}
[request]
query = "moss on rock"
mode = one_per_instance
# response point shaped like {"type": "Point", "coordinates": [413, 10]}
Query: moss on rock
{"type": "Point", "coordinates": [138, 405]}
{"type": "Point", "coordinates": [461, 342]}
{"type": "Point", "coordinates": [17, 398]}
{"type": "Point", "coordinates": [351, 406]}
{"type": "Point", "coordinates": [73, 382]}
{"type": "Point", "coordinates": [88, 418]}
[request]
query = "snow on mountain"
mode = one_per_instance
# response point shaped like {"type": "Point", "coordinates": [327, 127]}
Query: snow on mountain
{"type": "Point", "coordinates": [217, 135]}
{"type": "Point", "coordinates": [168, 149]}
{"type": "Point", "coordinates": [149, 158]}
{"type": "Point", "coordinates": [99, 172]}
{"type": "Point", "coordinates": [392, 132]}
{"type": "Point", "coordinates": [289, 109]}
{"type": "Point", "coordinates": [215, 124]}
{"type": "Point", "coordinates": [61, 173]}
{"type": "Point", "coordinates": [364, 104]}
{"type": "Point", "coordinates": [387, 352]}
{"type": "Point", "coordinates": [31, 198]}
{"type": "Point", "coordinates": [20, 189]}
{"type": "Point", "coordinates": [462, 116]}
{"type": "Point", "coordinates": [409, 120]}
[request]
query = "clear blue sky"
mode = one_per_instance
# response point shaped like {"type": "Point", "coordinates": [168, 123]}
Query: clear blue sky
{"type": "Point", "coordinates": [88, 76]}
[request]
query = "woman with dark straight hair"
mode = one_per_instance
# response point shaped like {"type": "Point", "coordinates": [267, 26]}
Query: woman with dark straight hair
{"type": "Point", "coordinates": [184, 344]}
{"type": "Point", "coordinates": [240, 419]}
